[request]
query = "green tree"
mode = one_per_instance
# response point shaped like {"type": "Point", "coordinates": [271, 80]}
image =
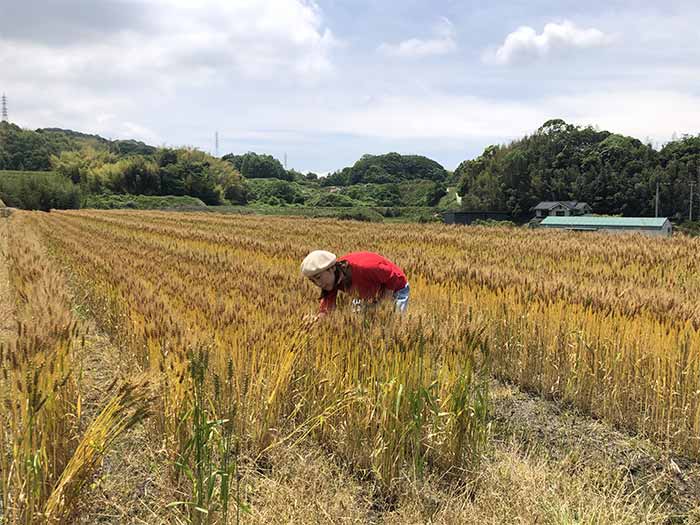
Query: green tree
{"type": "Point", "coordinates": [254, 166]}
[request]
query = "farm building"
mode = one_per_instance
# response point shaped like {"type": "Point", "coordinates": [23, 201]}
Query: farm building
{"type": "Point", "coordinates": [647, 225]}
{"type": "Point", "coordinates": [468, 217]}
{"type": "Point", "coordinates": [561, 209]}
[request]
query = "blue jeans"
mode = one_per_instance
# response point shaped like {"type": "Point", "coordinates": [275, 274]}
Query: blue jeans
{"type": "Point", "coordinates": [400, 301]}
{"type": "Point", "coordinates": [401, 298]}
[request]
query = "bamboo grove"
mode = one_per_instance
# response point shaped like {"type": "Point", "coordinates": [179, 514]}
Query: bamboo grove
{"type": "Point", "coordinates": [212, 308]}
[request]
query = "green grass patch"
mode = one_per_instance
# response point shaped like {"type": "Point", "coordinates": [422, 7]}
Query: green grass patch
{"type": "Point", "coordinates": [143, 202]}
{"type": "Point", "coordinates": [364, 213]}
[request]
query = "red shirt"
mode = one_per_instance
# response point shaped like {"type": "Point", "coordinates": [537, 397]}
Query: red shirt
{"type": "Point", "coordinates": [371, 274]}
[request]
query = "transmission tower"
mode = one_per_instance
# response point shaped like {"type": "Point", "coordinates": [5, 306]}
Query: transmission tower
{"type": "Point", "coordinates": [4, 108]}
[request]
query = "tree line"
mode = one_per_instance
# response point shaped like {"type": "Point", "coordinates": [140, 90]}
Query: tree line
{"type": "Point", "coordinates": [615, 174]}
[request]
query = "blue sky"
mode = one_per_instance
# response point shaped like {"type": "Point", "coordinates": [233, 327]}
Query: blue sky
{"type": "Point", "coordinates": [327, 81]}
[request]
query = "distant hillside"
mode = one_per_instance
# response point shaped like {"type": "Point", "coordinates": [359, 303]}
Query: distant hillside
{"type": "Point", "coordinates": [22, 149]}
{"type": "Point", "coordinates": [120, 147]}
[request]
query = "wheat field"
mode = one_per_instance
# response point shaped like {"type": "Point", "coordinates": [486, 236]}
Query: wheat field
{"type": "Point", "coordinates": [208, 312]}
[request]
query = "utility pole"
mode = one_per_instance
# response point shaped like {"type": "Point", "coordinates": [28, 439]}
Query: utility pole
{"type": "Point", "coordinates": [216, 144]}
{"type": "Point", "coordinates": [656, 209]}
{"type": "Point", "coordinates": [285, 160]}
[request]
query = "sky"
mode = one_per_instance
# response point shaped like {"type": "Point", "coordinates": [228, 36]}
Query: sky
{"type": "Point", "coordinates": [324, 82]}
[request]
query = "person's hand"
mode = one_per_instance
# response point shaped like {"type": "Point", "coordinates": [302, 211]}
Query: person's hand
{"type": "Point", "coordinates": [309, 320]}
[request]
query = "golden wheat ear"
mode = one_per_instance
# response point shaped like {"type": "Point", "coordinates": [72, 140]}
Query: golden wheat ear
{"type": "Point", "coordinates": [129, 406]}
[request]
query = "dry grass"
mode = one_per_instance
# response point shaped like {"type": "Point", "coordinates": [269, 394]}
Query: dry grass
{"type": "Point", "coordinates": [547, 465]}
{"type": "Point", "coordinates": [554, 473]}
{"type": "Point", "coordinates": [130, 484]}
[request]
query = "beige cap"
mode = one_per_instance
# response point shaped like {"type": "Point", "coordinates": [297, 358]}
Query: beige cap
{"type": "Point", "coordinates": [316, 262]}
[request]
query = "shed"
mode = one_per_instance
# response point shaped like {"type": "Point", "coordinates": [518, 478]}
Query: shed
{"type": "Point", "coordinates": [561, 208]}
{"type": "Point", "coordinates": [659, 226]}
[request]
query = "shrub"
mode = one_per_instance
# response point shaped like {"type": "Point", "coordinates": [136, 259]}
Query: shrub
{"type": "Point", "coordinates": [38, 191]}
{"type": "Point", "coordinates": [333, 200]}
{"type": "Point", "coordinates": [141, 202]}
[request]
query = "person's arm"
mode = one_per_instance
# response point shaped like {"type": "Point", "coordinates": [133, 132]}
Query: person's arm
{"type": "Point", "coordinates": [328, 303]}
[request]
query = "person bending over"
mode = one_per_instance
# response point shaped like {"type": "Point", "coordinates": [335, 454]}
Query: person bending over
{"type": "Point", "coordinates": [366, 276]}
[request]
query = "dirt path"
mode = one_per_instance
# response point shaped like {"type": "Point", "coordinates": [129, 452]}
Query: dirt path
{"type": "Point", "coordinates": [576, 442]}
{"type": "Point", "coordinates": [130, 485]}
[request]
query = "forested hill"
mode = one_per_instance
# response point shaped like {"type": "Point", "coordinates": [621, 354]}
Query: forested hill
{"type": "Point", "coordinates": [615, 174]}
{"type": "Point", "coordinates": [388, 168]}
{"type": "Point", "coordinates": [28, 150]}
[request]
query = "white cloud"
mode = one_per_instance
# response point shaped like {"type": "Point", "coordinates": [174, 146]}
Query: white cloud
{"type": "Point", "coordinates": [443, 42]}
{"type": "Point", "coordinates": [172, 45]}
{"type": "Point", "coordinates": [524, 44]}
{"type": "Point", "coordinates": [438, 116]}
{"type": "Point", "coordinates": [431, 117]}
{"type": "Point", "coordinates": [657, 114]}
{"type": "Point", "coordinates": [256, 38]}
{"type": "Point", "coordinates": [139, 132]}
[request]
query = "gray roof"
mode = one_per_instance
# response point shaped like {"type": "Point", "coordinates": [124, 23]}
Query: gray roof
{"type": "Point", "coordinates": [601, 221]}
{"type": "Point", "coordinates": [572, 205]}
